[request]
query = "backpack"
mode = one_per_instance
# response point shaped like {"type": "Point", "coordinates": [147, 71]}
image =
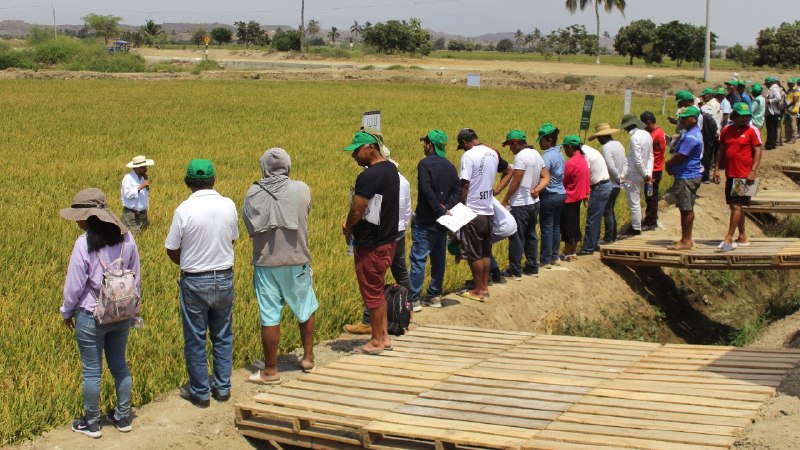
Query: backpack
{"type": "Point", "coordinates": [118, 298]}
{"type": "Point", "coordinates": [398, 309]}
{"type": "Point", "coordinates": [709, 131]}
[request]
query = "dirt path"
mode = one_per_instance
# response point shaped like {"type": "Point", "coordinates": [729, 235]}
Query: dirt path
{"type": "Point", "coordinates": [533, 304]}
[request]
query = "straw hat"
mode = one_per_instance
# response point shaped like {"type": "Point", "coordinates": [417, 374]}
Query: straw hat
{"type": "Point", "coordinates": [602, 129]}
{"type": "Point", "coordinates": [91, 202]}
{"type": "Point", "coordinates": [139, 161]}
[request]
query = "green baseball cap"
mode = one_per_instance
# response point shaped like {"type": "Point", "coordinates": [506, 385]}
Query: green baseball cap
{"type": "Point", "coordinates": [742, 109]}
{"type": "Point", "coordinates": [546, 129]}
{"type": "Point", "coordinates": [708, 90]}
{"type": "Point", "coordinates": [792, 80]}
{"type": "Point", "coordinates": [515, 135]}
{"type": "Point", "coordinates": [438, 138]}
{"type": "Point", "coordinates": [756, 88]}
{"type": "Point", "coordinates": [770, 80]}
{"type": "Point", "coordinates": [742, 83]}
{"type": "Point", "coordinates": [359, 139]}
{"type": "Point", "coordinates": [690, 111]}
{"type": "Point", "coordinates": [733, 82]}
{"type": "Point", "coordinates": [573, 140]}
{"type": "Point", "coordinates": [721, 91]}
{"type": "Point", "coordinates": [684, 95]}
{"type": "Point", "coordinates": [200, 169]}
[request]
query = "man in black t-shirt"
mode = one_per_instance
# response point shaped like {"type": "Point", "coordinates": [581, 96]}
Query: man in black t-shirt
{"type": "Point", "coordinates": [372, 224]}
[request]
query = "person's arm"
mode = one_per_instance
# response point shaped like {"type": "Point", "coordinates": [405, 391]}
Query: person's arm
{"type": "Point", "coordinates": [134, 265]}
{"type": "Point", "coordinates": [543, 182]}
{"type": "Point", "coordinates": [425, 186]}
{"type": "Point", "coordinates": [718, 162]}
{"type": "Point", "coordinates": [174, 255]}
{"type": "Point", "coordinates": [130, 190]}
{"type": "Point", "coordinates": [464, 191]}
{"type": "Point", "coordinates": [454, 197]}
{"type": "Point", "coordinates": [676, 159]}
{"type": "Point", "coordinates": [638, 162]}
{"type": "Point", "coordinates": [75, 283]}
{"type": "Point", "coordinates": [757, 148]}
{"type": "Point", "coordinates": [174, 237]}
{"type": "Point", "coordinates": [357, 209]}
{"type": "Point", "coordinates": [516, 180]}
{"type": "Point", "coordinates": [507, 171]}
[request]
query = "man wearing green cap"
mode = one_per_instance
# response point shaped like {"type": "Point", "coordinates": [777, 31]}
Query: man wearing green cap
{"type": "Point", "coordinates": [724, 105]}
{"type": "Point", "coordinates": [792, 108]}
{"type": "Point", "coordinates": [711, 106]}
{"type": "Point", "coordinates": [772, 118]}
{"type": "Point", "coordinates": [438, 190]}
{"type": "Point", "coordinates": [553, 197]}
{"type": "Point", "coordinates": [740, 153]}
{"type": "Point", "coordinates": [528, 179]}
{"type": "Point", "coordinates": [686, 166]}
{"type": "Point", "coordinates": [372, 224]}
{"type": "Point", "coordinates": [741, 89]}
{"type": "Point", "coordinates": [732, 95]}
{"type": "Point", "coordinates": [200, 241]}
{"type": "Point", "coordinates": [640, 168]}
{"type": "Point", "coordinates": [759, 106]}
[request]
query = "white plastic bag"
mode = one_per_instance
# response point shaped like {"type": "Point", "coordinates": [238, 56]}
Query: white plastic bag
{"type": "Point", "coordinates": [504, 223]}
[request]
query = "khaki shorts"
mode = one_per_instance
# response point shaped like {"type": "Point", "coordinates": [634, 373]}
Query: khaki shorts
{"type": "Point", "coordinates": [685, 193]}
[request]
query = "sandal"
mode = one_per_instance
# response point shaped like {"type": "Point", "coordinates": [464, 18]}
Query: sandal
{"type": "Point", "coordinates": [306, 366]}
{"type": "Point", "coordinates": [363, 351]}
{"type": "Point", "coordinates": [471, 296]}
{"type": "Point", "coordinates": [256, 378]}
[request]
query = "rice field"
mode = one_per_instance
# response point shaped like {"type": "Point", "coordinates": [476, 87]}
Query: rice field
{"type": "Point", "coordinates": [62, 136]}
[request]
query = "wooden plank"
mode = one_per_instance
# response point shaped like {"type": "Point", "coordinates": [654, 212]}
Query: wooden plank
{"type": "Point", "coordinates": [634, 413]}
{"type": "Point", "coordinates": [597, 342]}
{"type": "Point", "coordinates": [492, 408]}
{"type": "Point", "coordinates": [477, 372]}
{"type": "Point", "coordinates": [319, 378]}
{"type": "Point", "coordinates": [355, 391]}
{"type": "Point", "coordinates": [412, 339]}
{"type": "Point", "coordinates": [281, 412]}
{"type": "Point", "coordinates": [366, 376]}
{"type": "Point", "coordinates": [713, 369]}
{"type": "Point", "coordinates": [545, 405]}
{"type": "Point", "coordinates": [761, 351]}
{"type": "Point", "coordinates": [464, 336]}
{"type": "Point", "coordinates": [461, 437]}
{"type": "Point", "coordinates": [403, 363]}
{"type": "Point", "coordinates": [579, 349]}
{"type": "Point", "coordinates": [720, 362]}
{"type": "Point", "coordinates": [521, 334]}
{"type": "Point", "coordinates": [593, 439]}
{"type": "Point", "coordinates": [732, 355]}
{"type": "Point", "coordinates": [431, 374]}
{"type": "Point", "coordinates": [531, 353]}
{"type": "Point", "coordinates": [290, 438]}
{"type": "Point", "coordinates": [654, 435]}
{"type": "Point", "coordinates": [474, 417]}
{"type": "Point", "coordinates": [522, 358]}
{"type": "Point", "coordinates": [757, 378]}
{"type": "Point", "coordinates": [277, 395]}
{"type": "Point", "coordinates": [553, 370]}
{"type": "Point", "coordinates": [513, 386]}
{"type": "Point", "coordinates": [698, 383]}
{"type": "Point", "coordinates": [683, 389]}
{"type": "Point", "coordinates": [675, 398]}
{"type": "Point", "coordinates": [424, 358]}
{"type": "Point", "coordinates": [449, 424]}
{"type": "Point", "coordinates": [461, 354]}
{"type": "Point", "coordinates": [449, 347]}
{"type": "Point", "coordinates": [539, 444]}
{"type": "Point", "coordinates": [531, 394]}
{"type": "Point", "coordinates": [646, 424]}
{"type": "Point", "coordinates": [609, 402]}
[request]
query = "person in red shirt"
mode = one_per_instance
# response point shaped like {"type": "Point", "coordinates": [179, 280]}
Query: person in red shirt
{"type": "Point", "coordinates": [740, 151]}
{"type": "Point", "coordinates": [650, 221]}
{"type": "Point", "coordinates": [576, 183]}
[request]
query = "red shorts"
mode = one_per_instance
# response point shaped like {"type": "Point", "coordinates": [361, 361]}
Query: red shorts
{"type": "Point", "coordinates": [371, 266]}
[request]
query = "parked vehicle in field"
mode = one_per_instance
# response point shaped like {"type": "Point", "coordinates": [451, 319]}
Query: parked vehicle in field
{"type": "Point", "coordinates": [120, 46]}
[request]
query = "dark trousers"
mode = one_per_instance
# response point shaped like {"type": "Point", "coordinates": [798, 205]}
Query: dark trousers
{"type": "Point", "coordinates": [610, 218]}
{"type": "Point", "coordinates": [709, 156]}
{"type": "Point", "coordinates": [651, 201]}
{"type": "Point", "coordinates": [399, 271]}
{"type": "Point", "coordinates": [773, 123]}
{"type": "Point", "coordinates": [524, 240]}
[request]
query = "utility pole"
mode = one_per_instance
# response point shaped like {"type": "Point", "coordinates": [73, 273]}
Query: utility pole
{"type": "Point", "coordinates": [55, 32]}
{"type": "Point", "coordinates": [302, 23]}
{"type": "Point", "coordinates": [707, 71]}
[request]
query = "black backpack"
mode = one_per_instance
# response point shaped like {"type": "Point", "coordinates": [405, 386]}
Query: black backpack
{"type": "Point", "coordinates": [398, 309]}
{"type": "Point", "coordinates": [709, 131]}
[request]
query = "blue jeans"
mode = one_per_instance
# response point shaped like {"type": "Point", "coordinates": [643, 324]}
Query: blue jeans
{"type": "Point", "coordinates": [425, 243]}
{"type": "Point", "coordinates": [524, 240]}
{"type": "Point", "coordinates": [206, 304]}
{"type": "Point", "coordinates": [610, 217]}
{"type": "Point", "coordinates": [550, 223]}
{"type": "Point", "coordinates": [594, 215]}
{"type": "Point", "coordinates": [93, 340]}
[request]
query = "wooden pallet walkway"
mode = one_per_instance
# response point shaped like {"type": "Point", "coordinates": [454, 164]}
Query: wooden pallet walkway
{"type": "Point", "coordinates": [455, 387]}
{"type": "Point", "coordinates": [763, 253]}
{"type": "Point", "coordinates": [792, 171]}
{"type": "Point", "coordinates": [774, 202]}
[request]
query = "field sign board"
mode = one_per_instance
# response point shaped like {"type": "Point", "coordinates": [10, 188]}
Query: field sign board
{"type": "Point", "coordinates": [371, 119]}
{"type": "Point", "coordinates": [474, 80]}
{"type": "Point", "coordinates": [586, 116]}
{"type": "Point", "coordinates": [628, 96]}
{"type": "Point", "coordinates": [206, 39]}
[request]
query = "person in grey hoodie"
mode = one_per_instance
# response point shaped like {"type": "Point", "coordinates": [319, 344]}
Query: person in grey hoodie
{"type": "Point", "coordinates": [275, 213]}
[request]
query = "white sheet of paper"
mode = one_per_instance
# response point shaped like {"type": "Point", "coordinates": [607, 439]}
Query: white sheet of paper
{"type": "Point", "coordinates": [373, 212]}
{"type": "Point", "coordinates": [459, 216]}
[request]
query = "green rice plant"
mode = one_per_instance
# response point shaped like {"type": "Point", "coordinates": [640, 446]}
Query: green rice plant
{"type": "Point", "coordinates": [97, 59]}
{"type": "Point", "coordinates": [208, 64]}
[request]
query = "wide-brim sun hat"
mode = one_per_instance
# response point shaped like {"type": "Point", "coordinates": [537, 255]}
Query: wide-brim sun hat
{"type": "Point", "coordinates": [91, 202]}
{"type": "Point", "coordinates": [602, 129]}
{"type": "Point", "coordinates": [631, 119]}
{"type": "Point", "coordinates": [139, 161]}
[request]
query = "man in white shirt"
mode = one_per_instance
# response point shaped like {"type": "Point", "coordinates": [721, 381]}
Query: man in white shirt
{"type": "Point", "coordinates": [600, 185]}
{"type": "Point", "coordinates": [617, 165]}
{"type": "Point", "coordinates": [478, 169]}
{"type": "Point", "coordinates": [136, 195]}
{"type": "Point", "coordinates": [640, 167]}
{"type": "Point", "coordinates": [528, 179]}
{"type": "Point", "coordinates": [712, 106]}
{"type": "Point", "coordinates": [200, 241]}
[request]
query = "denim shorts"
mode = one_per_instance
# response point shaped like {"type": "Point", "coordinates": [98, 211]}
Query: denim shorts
{"type": "Point", "coordinates": [284, 285]}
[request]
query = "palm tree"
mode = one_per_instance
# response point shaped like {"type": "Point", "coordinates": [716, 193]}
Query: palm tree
{"type": "Point", "coordinates": [333, 34]}
{"type": "Point", "coordinates": [608, 5]}
{"type": "Point", "coordinates": [313, 28]}
{"type": "Point", "coordinates": [355, 30]}
{"type": "Point", "coordinates": [519, 38]}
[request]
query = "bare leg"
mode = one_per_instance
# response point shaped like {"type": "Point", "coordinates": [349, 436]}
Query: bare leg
{"type": "Point", "coordinates": [487, 266]}
{"type": "Point", "coordinates": [477, 269]}
{"type": "Point", "coordinates": [270, 338]}
{"type": "Point", "coordinates": [380, 327]}
{"type": "Point", "coordinates": [736, 218]}
{"type": "Point", "coordinates": [687, 222]}
{"type": "Point", "coordinates": [307, 338]}
{"type": "Point", "coordinates": [743, 237]}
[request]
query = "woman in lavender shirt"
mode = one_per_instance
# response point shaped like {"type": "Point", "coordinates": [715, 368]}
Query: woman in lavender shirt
{"type": "Point", "coordinates": [108, 239]}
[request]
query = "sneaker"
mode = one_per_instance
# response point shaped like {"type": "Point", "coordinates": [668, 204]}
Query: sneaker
{"type": "Point", "coordinates": [533, 272]}
{"type": "Point", "coordinates": [649, 227]}
{"type": "Point", "coordinates": [432, 302]}
{"type": "Point", "coordinates": [416, 306]}
{"type": "Point", "coordinates": [200, 403]}
{"type": "Point", "coordinates": [83, 426]}
{"type": "Point", "coordinates": [358, 328]}
{"type": "Point", "coordinates": [498, 278]}
{"type": "Point", "coordinates": [513, 276]}
{"type": "Point", "coordinates": [219, 397]}
{"type": "Point", "coordinates": [584, 252]}
{"type": "Point", "coordinates": [123, 425]}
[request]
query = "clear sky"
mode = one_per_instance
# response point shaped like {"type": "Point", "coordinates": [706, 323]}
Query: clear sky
{"type": "Point", "coordinates": [733, 20]}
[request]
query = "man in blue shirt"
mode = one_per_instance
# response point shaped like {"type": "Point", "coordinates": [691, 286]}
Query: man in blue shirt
{"type": "Point", "coordinates": [687, 168]}
{"type": "Point", "coordinates": [553, 196]}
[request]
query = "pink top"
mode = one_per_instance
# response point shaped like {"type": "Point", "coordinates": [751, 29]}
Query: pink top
{"type": "Point", "coordinates": [576, 178]}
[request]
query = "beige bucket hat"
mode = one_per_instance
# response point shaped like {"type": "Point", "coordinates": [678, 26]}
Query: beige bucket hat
{"type": "Point", "coordinates": [91, 202]}
{"type": "Point", "coordinates": [602, 129]}
{"type": "Point", "coordinates": [139, 161]}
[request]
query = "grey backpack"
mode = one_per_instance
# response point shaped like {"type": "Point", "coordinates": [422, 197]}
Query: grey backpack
{"type": "Point", "coordinates": [118, 299]}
